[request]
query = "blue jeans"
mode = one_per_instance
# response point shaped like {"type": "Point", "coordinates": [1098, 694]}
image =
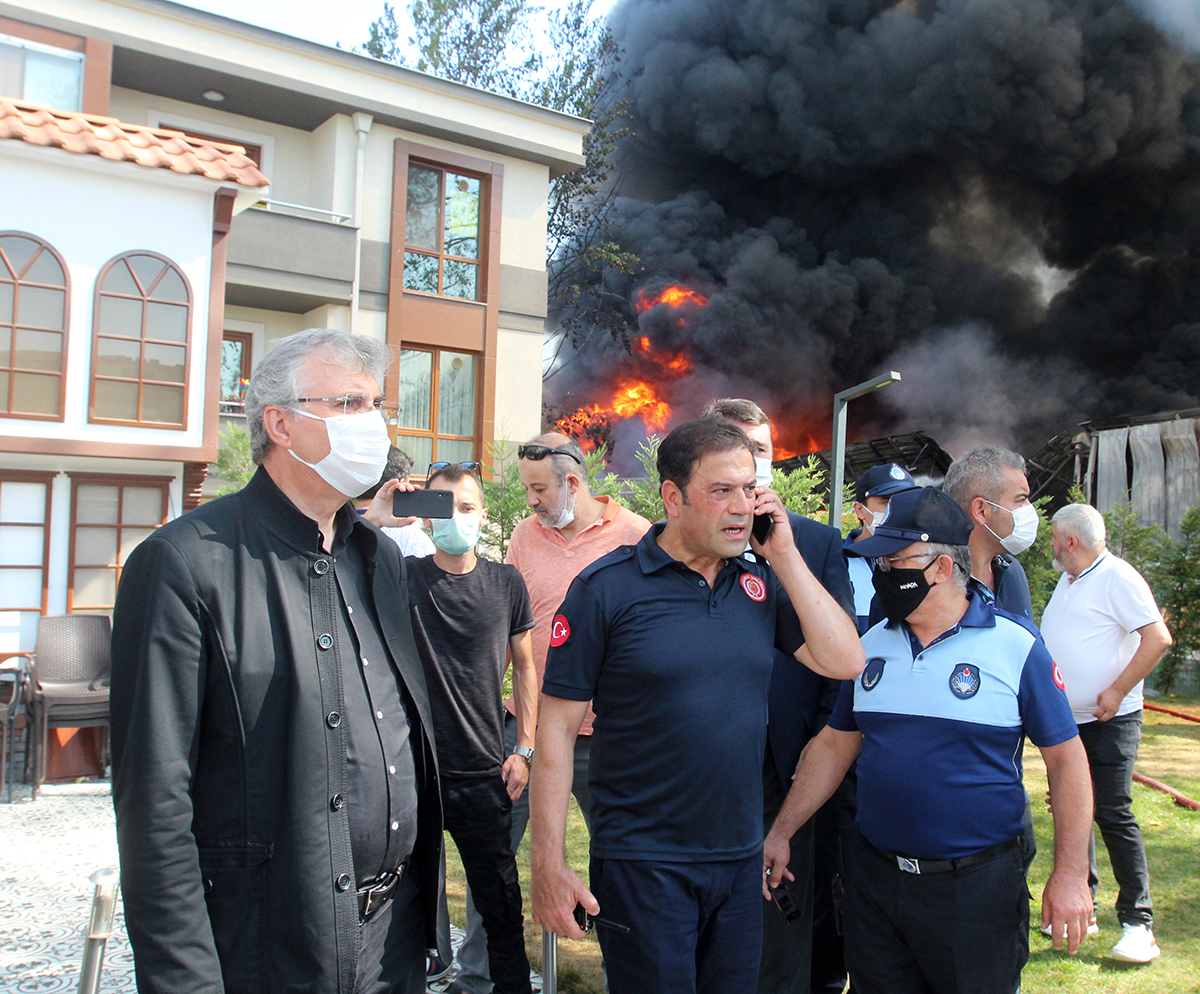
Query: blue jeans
{"type": "Point", "coordinates": [1112, 748]}
{"type": "Point", "coordinates": [473, 973]}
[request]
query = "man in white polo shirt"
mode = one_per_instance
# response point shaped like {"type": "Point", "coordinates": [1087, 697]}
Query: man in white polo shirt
{"type": "Point", "coordinates": [1107, 635]}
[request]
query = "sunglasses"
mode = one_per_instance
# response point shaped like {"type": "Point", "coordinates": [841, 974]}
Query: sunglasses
{"type": "Point", "coordinates": [538, 452]}
{"type": "Point", "coordinates": [437, 467]}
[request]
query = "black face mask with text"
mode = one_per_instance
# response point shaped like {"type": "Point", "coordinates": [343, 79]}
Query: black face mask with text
{"type": "Point", "coordinates": [901, 591]}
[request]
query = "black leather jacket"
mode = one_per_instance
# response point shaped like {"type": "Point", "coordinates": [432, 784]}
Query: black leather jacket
{"type": "Point", "coordinates": [223, 760]}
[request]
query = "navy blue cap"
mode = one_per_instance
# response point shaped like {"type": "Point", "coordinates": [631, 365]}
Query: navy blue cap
{"type": "Point", "coordinates": [883, 481]}
{"type": "Point", "coordinates": [925, 515]}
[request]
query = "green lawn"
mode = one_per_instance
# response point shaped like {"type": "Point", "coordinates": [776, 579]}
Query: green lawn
{"type": "Point", "coordinates": [1170, 753]}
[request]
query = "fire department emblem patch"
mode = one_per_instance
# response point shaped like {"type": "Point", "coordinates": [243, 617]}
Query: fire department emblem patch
{"type": "Point", "coordinates": [1058, 680]}
{"type": "Point", "coordinates": [560, 631]}
{"type": "Point", "coordinates": [964, 681]}
{"type": "Point", "coordinates": [755, 589]}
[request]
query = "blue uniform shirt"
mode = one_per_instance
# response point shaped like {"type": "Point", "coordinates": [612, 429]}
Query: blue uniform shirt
{"type": "Point", "coordinates": [940, 772]}
{"type": "Point", "coordinates": [860, 570]}
{"type": "Point", "coordinates": [678, 674]}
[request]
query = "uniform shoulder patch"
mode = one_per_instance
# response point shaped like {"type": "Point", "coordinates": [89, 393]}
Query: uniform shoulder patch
{"type": "Point", "coordinates": [1058, 680]}
{"type": "Point", "coordinates": [964, 681]}
{"type": "Point", "coordinates": [755, 589]}
{"type": "Point", "coordinates": [560, 630]}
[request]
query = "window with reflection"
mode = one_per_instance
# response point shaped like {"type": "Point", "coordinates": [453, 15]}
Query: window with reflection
{"type": "Point", "coordinates": [33, 327]}
{"type": "Point", "coordinates": [140, 350]}
{"type": "Point", "coordinates": [442, 232]}
{"type": "Point", "coordinates": [110, 517]}
{"type": "Point", "coordinates": [438, 391]}
{"type": "Point", "coordinates": [25, 506]}
{"type": "Point", "coordinates": [41, 74]}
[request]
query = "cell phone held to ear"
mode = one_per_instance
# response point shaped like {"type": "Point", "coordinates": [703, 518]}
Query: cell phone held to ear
{"type": "Point", "coordinates": [423, 504]}
{"type": "Point", "coordinates": [763, 525]}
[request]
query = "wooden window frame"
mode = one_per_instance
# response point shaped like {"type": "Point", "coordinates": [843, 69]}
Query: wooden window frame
{"type": "Point", "coordinates": [120, 481]}
{"type": "Point", "coordinates": [141, 381]}
{"type": "Point", "coordinates": [11, 327]}
{"type": "Point", "coordinates": [480, 262]}
{"type": "Point", "coordinates": [433, 434]}
{"type": "Point", "coordinates": [29, 476]}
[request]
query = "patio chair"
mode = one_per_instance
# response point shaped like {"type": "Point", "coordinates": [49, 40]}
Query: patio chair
{"type": "Point", "coordinates": [68, 680]}
{"type": "Point", "coordinates": [12, 692]}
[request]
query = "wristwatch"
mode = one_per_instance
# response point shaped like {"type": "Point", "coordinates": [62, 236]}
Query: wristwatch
{"type": "Point", "coordinates": [526, 753]}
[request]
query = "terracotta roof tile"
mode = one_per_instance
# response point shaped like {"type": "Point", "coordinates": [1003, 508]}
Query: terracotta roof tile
{"type": "Point", "coordinates": [157, 148]}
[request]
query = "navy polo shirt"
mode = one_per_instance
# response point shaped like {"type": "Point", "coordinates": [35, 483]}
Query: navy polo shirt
{"type": "Point", "coordinates": [939, 776]}
{"type": "Point", "coordinates": [678, 674]}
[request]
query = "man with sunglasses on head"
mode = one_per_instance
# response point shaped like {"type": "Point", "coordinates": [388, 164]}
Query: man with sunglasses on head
{"type": "Point", "coordinates": [274, 774]}
{"type": "Point", "coordinates": [935, 887]}
{"type": "Point", "coordinates": [568, 531]}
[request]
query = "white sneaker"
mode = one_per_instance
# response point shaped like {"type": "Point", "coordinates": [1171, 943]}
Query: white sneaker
{"type": "Point", "coordinates": [1092, 929]}
{"type": "Point", "coordinates": [1137, 945]}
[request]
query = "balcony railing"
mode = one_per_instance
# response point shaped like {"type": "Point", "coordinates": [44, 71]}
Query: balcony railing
{"type": "Point", "coordinates": [300, 210]}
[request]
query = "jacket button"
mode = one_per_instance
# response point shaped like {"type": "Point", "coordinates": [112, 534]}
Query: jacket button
{"type": "Point", "coordinates": [343, 881]}
{"type": "Point", "coordinates": [321, 567]}
{"type": "Point", "coordinates": [333, 719]}
{"type": "Point", "coordinates": [325, 641]}
{"type": "Point", "coordinates": [338, 801]}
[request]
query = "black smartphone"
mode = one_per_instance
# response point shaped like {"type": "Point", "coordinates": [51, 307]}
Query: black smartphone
{"type": "Point", "coordinates": [783, 901]}
{"type": "Point", "coordinates": [423, 504]}
{"type": "Point", "coordinates": [763, 525]}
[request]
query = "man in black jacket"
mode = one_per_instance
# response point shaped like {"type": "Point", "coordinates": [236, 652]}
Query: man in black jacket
{"type": "Point", "coordinates": [794, 716]}
{"type": "Point", "coordinates": [274, 776]}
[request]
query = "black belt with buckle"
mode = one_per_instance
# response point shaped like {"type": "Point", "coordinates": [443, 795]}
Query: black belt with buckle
{"type": "Point", "coordinates": [945, 865]}
{"type": "Point", "coordinates": [373, 896]}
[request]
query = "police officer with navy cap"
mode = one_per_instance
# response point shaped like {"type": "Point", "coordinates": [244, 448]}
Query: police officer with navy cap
{"type": "Point", "coordinates": [872, 492]}
{"type": "Point", "coordinates": [935, 890]}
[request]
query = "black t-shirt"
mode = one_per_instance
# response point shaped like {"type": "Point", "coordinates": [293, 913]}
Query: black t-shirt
{"type": "Point", "coordinates": [678, 674]}
{"type": "Point", "coordinates": [462, 624]}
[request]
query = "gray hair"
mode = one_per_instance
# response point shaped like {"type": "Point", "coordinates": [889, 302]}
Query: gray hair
{"type": "Point", "coordinates": [960, 555]}
{"type": "Point", "coordinates": [980, 473]}
{"type": "Point", "coordinates": [560, 466]}
{"type": "Point", "coordinates": [1084, 522]}
{"type": "Point", "coordinates": [276, 379]}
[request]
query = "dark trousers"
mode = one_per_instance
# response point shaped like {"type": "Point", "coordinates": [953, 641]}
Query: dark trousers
{"type": "Point", "coordinates": [834, 825]}
{"type": "Point", "coordinates": [694, 928]}
{"type": "Point", "coordinates": [961, 932]}
{"type": "Point", "coordinates": [478, 816]}
{"type": "Point", "coordinates": [787, 947]}
{"type": "Point", "coordinates": [1112, 748]}
{"type": "Point", "coordinates": [391, 945]}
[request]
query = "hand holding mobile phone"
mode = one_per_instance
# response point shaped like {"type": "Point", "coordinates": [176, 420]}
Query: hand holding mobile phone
{"type": "Point", "coordinates": [587, 922]}
{"type": "Point", "coordinates": [423, 504]}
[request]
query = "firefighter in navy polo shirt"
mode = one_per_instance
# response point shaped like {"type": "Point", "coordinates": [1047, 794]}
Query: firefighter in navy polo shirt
{"type": "Point", "coordinates": [935, 891]}
{"type": "Point", "coordinates": [673, 640]}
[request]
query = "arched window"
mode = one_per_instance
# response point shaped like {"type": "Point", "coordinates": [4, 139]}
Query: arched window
{"type": "Point", "coordinates": [142, 327]}
{"type": "Point", "coordinates": [33, 327]}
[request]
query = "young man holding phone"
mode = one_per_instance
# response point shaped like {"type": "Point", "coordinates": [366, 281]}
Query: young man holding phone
{"type": "Point", "coordinates": [467, 613]}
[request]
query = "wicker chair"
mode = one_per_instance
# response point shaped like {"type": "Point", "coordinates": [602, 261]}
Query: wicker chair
{"type": "Point", "coordinates": [68, 680]}
{"type": "Point", "coordinates": [12, 693]}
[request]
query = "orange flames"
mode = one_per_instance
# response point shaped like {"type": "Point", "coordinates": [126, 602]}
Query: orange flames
{"type": "Point", "coordinates": [673, 296]}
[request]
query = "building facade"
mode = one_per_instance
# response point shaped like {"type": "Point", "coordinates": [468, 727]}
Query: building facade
{"type": "Point", "coordinates": [400, 206]}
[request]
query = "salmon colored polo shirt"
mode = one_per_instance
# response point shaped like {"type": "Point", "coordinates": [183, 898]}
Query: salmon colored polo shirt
{"type": "Point", "coordinates": [549, 562]}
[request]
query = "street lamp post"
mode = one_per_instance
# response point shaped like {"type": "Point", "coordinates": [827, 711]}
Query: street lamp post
{"type": "Point", "coordinates": [838, 455]}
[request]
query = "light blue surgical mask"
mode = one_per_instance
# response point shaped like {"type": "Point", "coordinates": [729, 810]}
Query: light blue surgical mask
{"type": "Point", "coordinates": [458, 534]}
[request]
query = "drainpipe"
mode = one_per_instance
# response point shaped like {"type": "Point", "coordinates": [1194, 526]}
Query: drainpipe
{"type": "Point", "coordinates": [362, 125]}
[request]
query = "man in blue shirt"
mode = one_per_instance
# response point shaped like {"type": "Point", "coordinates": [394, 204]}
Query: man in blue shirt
{"type": "Point", "coordinates": [935, 888]}
{"type": "Point", "coordinates": [872, 492]}
{"type": "Point", "coordinates": [673, 640]}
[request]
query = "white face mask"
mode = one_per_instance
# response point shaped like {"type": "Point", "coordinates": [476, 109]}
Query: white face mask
{"type": "Point", "coordinates": [762, 471]}
{"type": "Point", "coordinates": [868, 526]}
{"type": "Point", "coordinates": [1025, 528]}
{"type": "Point", "coordinates": [560, 518]}
{"type": "Point", "coordinates": [358, 451]}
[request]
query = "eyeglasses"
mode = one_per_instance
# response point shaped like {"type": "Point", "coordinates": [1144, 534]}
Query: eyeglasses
{"type": "Point", "coordinates": [437, 467]}
{"type": "Point", "coordinates": [885, 563]}
{"type": "Point", "coordinates": [357, 404]}
{"type": "Point", "coordinates": [539, 452]}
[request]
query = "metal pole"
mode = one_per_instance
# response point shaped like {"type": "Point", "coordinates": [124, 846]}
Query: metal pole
{"type": "Point", "coordinates": [837, 456]}
{"type": "Point", "coordinates": [104, 906]}
{"type": "Point", "coordinates": [549, 962]}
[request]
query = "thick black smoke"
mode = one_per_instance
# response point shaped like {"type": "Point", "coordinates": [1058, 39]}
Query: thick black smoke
{"type": "Point", "coordinates": [999, 198]}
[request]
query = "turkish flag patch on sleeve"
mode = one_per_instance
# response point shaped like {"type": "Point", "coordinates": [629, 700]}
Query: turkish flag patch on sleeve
{"type": "Point", "coordinates": [1058, 680]}
{"type": "Point", "coordinates": [560, 631]}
